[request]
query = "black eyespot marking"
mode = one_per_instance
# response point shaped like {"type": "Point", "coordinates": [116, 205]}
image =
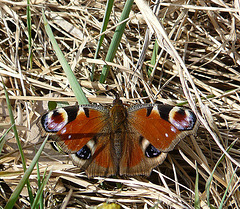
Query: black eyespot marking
{"type": "Point", "coordinates": [193, 120]}
{"type": "Point", "coordinates": [182, 119]}
{"type": "Point", "coordinates": [54, 121]}
{"type": "Point", "coordinates": [55, 113]}
{"type": "Point", "coordinates": [86, 111]}
{"type": "Point", "coordinates": [149, 110]}
{"type": "Point", "coordinates": [152, 151]}
{"type": "Point", "coordinates": [181, 112]}
{"type": "Point", "coordinates": [84, 153]}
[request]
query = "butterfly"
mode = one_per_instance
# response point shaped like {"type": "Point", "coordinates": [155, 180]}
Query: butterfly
{"type": "Point", "coordinates": [119, 140]}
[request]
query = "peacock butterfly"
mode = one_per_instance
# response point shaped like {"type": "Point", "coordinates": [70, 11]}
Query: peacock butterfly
{"type": "Point", "coordinates": [119, 140]}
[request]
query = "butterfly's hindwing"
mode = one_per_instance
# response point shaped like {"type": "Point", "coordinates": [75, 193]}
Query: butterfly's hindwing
{"type": "Point", "coordinates": [100, 162]}
{"type": "Point", "coordinates": [137, 158]}
{"type": "Point", "coordinates": [149, 150]}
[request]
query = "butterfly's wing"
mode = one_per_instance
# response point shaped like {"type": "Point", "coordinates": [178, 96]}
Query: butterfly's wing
{"type": "Point", "coordinates": [152, 131]}
{"type": "Point", "coordinates": [83, 132]}
{"type": "Point", "coordinates": [134, 160]}
{"type": "Point", "coordinates": [101, 161]}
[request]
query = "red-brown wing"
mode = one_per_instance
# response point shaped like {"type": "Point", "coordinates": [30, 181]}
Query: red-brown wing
{"type": "Point", "coordinates": [84, 133]}
{"type": "Point", "coordinates": [101, 162]}
{"type": "Point", "coordinates": [162, 125]}
{"type": "Point", "coordinates": [151, 131]}
{"type": "Point", "coordinates": [134, 160]}
{"type": "Point", "coordinates": [75, 125]}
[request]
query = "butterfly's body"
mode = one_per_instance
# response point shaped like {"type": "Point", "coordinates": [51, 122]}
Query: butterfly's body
{"type": "Point", "coordinates": [126, 141]}
{"type": "Point", "coordinates": [118, 115]}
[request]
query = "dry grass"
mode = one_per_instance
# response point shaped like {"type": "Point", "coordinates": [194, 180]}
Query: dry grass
{"type": "Point", "coordinates": [206, 36]}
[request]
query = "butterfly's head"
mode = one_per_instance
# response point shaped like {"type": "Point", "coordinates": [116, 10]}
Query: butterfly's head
{"type": "Point", "coordinates": [117, 101]}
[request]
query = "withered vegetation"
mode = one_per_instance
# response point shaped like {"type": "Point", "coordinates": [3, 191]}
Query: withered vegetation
{"type": "Point", "coordinates": [205, 35]}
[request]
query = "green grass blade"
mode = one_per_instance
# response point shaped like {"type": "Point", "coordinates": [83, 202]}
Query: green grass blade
{"type": "Point", "coordinates": [18, 141]}
{"type": "Point", "coordinates": [221, 206]}
{"type": "Point", "coordinates": [12, 200]}
{"type": "Point", "coordinates": [197, 201]}
{"type": "Point", "coordinates": [2, 140]}
{"type": "Point", "coordinates": [14, 128]}
{"type": "Point", "coordinates": [77, 90]}
{"type": "Point", "coordinates": [104, 27]}
{"type": "Point", "coordinates": [116, 39]}
{"type": "Point", "coordinates": [40, 205]}
{"type": "Point", "coordinates": [40, 191]}
{"type": "Point", "coordinates": [154, 57]}
{"type": "Point", "coordinates": [208, 183]}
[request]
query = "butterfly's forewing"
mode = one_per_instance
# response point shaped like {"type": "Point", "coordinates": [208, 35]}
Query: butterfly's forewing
{"type": "Point", "coordinates": [75, 125]}
{"type": "Point", "coordinates": [162, 125]}
{"type": "Point", "coordinates": [83, 132]}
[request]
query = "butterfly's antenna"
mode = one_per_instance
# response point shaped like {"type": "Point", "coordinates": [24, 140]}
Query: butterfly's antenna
{"type": "Point", "coordinates": [117, 97]}
{"type": "Point", "coordinates": [114, 92]}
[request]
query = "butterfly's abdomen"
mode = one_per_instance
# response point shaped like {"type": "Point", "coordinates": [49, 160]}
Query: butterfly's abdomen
{"type": "Point", "coordinates": [116, 144]}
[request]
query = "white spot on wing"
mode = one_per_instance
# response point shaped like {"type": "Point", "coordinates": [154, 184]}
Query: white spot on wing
{"type": "Point", "coordinates": [145, 143]}
{"type": "Point", "coordinates": [166, 135]}
{"type": "Point", "coordinates": [81, 110]}
{"type": "Point", "coordinates": [173, 129]}
{"type": "Point", "coordinates": [92, 146]}
{"type": "Point", "coordinates": [63, 131]}
{"type": "Point", "coordinates": [155, 108]}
